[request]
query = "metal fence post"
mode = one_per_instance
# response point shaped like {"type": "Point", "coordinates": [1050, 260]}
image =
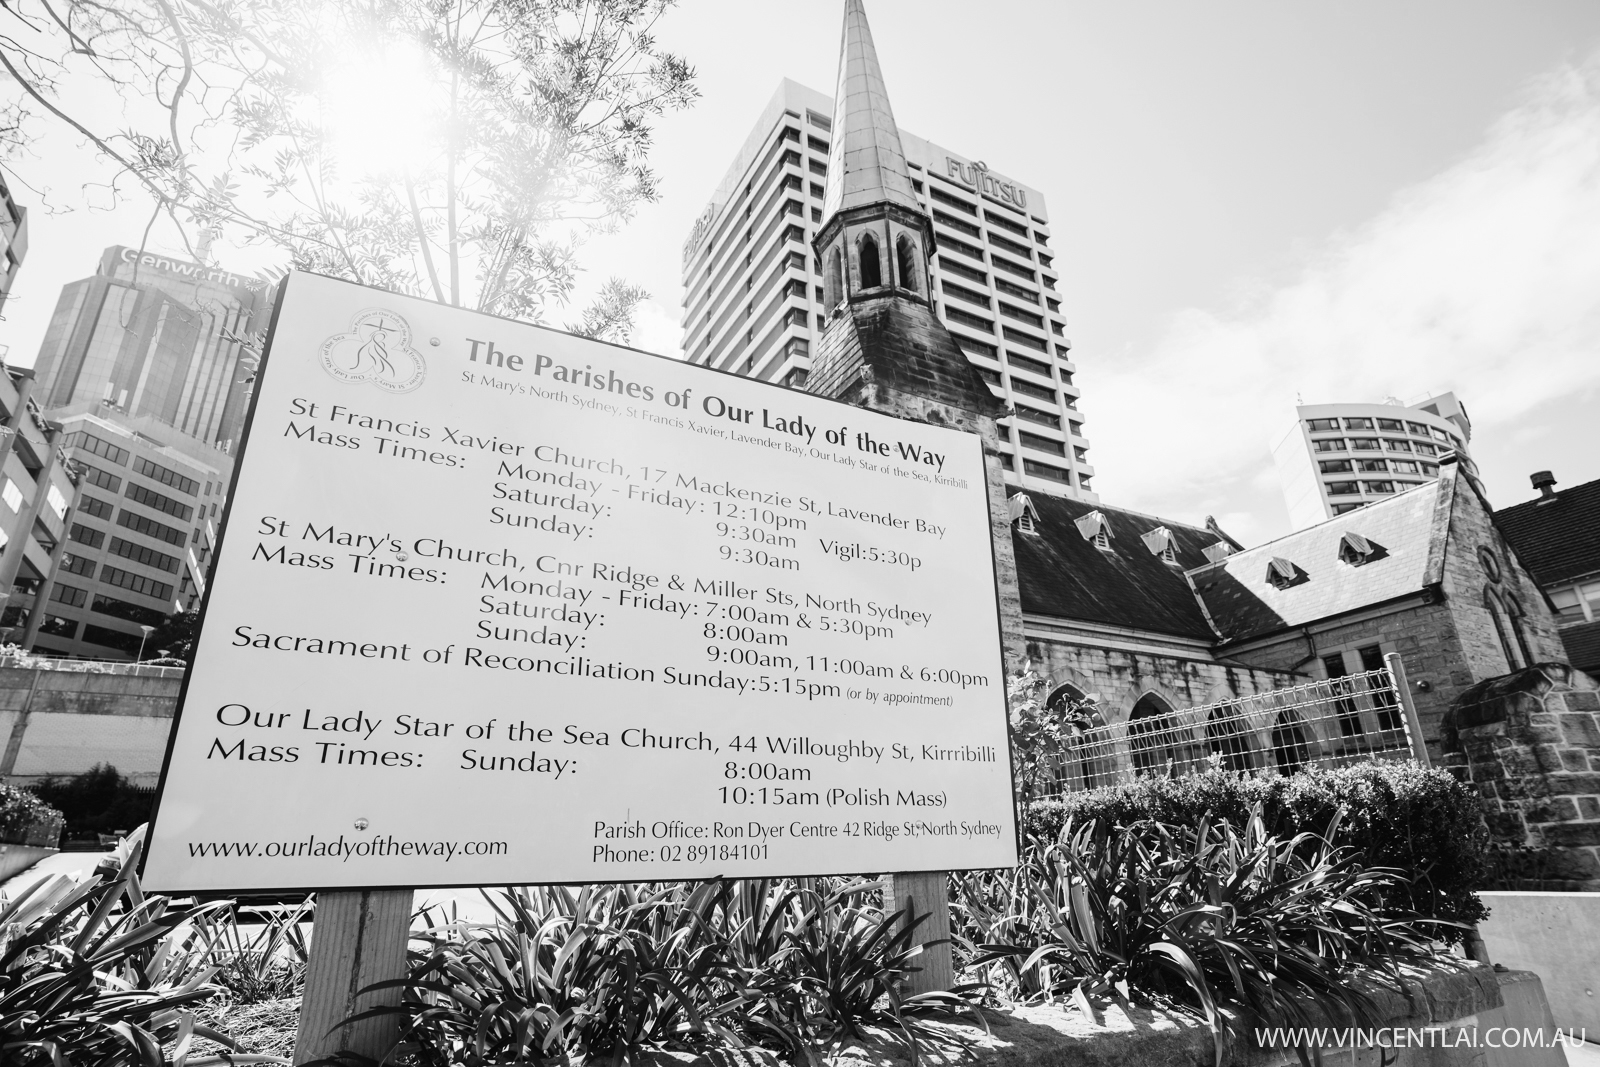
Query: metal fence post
{"type": "Point", "coordinates": [1397, 675]}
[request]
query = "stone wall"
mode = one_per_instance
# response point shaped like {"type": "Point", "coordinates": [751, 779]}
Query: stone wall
{"type": "Point", "coordinates": [1529, 743]}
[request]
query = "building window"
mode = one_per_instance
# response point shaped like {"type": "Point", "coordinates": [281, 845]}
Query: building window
{"type": "Point", "coordinates": [93, 445]}
{"type": "Point", "coordinates": [1323, 425]}
{"type": "Point", "coordinates": [95, 476]}
{"type": "Point", "coordinates": [70, 595]}
{"type": "Point", "coordinates": [1358, 424]}
{"type": "Point", "coordinates": [86, 535]}
{"type": "Point", "coordinates": [1041, 444]}
{"type": "Point", "coordinates": [89, 505]}
{"type": "Point", "coordinates": [1392, 425]}
{"type": "Point", "coordinates": [150, 528]}
{"type": "Point", "coordinates": [78, 565]}
{"type": "Point", "coordinates": [1333, 444]}
{"type": "Point", "coordinates": [1334, 466]}
{"type": "Point", "coordinates": [1228, 739]}
{"type": "Point", "coordinates": [1383, 698]}
{"type": "Point", "coordinates": [1497, 612]}
{"type": "Point", "coordinates": [1396, 446]}
{"type": "Point", "coordinates": [1430, 469]}
{"type": "Point", "coordinates": [1340, 509]}
{"type": "Point", "coordinates": [1291, 742]}
{"type": "Point", "coordinates": [818, 167]}
{"type": "Point", "coordinates": [1425, 449]}
{"type": "Point", "coordinates": [1045, 470]}
{"type": "Point", "coordinates": [1083, 483]}
{"type": "Point", "coordinates": [137, 582]}
{"type": "Point", "coordinates": [1403, 466]}
{"type": "Point", "coordinates": [974, 322]}
{"type": "Point", "coordinates": [1364, 444]}
{"type": "Point", "coordinates": [1417, 428]}
{"type": "Point", "coordinates": [816, 144]}
{"type": "Point", "coordinates": [1344, 489]}
{"type": "Point", "coordinates": [1024, 363]}
{"type": "Point", "coordinates": [955, 202]}
{"type": "Point", "coordinates": [158, 502]}
{"type": "Point", "coordinates": [156, 472]}
{"type": "Point", "coordinates": [1378, 487]}
{"type": "Point", "coordinates": [1372, 466]}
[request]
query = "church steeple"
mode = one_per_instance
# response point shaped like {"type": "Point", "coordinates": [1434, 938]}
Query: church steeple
{"type": "Point", "coordinates": [883, 345]}
{"type": "Point", "coordinates": [866, 164]}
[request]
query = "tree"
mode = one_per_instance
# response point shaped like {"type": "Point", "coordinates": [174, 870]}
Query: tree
{"type": "Point", "coordinates": [175, 637]}
{"type": "Point", "coordinates": [1044, 738]}
{"type": "Point", "coordinates": [456, 149]}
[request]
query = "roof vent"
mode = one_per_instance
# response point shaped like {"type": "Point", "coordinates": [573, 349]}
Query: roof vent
{"type": "Point", "coordinates": [1218, 552]}
{"type": "Point", "coordinates": [1545, 482]}
{"type": "Point", "coordinates": [1095, 529]}
{"type": "Point", "coordinates": [1356, 550]}
{"type": "Point", "coordinates": [1024, 516]}
{"type": "Point", "coordinates": [1282, 574]}
{"type": "Point", "coordinates": [1160, 543]}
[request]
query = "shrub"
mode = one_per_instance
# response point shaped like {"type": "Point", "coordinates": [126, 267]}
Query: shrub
{"type": "Point", "coordinates": [613, 972]}
{"type": "Point", "coordinates": [98, 801]}
{"type": "Point", "coordinates": [1204, 914]}
{"type": "Point", "coordinates": [1396, 815]}
{"type": "Point", "coordinates": [99, 975]}
{"type": "Point", "coordinates": [27, 820]}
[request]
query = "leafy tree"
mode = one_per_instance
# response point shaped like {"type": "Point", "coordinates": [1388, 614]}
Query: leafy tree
{"type": "Point", "coordinates": [456, 149]}
{"type": "Point", "coordinates": [1043, 736]}
{"type": "Point", "coordinates": [175, 637]}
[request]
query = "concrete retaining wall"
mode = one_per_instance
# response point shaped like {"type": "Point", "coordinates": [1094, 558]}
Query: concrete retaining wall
{"type": "Point", "coordinates": [59, 723]}
{"type": "Point", "coordinates": [1557, 936]}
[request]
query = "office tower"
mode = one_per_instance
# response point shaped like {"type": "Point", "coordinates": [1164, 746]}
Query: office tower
{"type": "Point", "coordinates": [149, 335]}
{"type": "Point", "coordinates": [754, 300]}
{"type": "Point", "coordinates": [1337, 457]}
{"type": "Point", "coordinates": [141, 536]}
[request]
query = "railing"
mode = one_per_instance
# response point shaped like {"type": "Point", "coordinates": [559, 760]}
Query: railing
{"type": "Point", "coordinates": [1328, 723]}
{"type": "Point", "coordinates": [27, 662]}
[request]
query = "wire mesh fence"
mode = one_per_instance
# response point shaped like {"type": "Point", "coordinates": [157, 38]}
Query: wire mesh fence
{"type": "Point", "coordinates": [1328, 723]}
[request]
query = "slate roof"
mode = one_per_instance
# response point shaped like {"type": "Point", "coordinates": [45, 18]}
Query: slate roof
{"type": "Point", "coordinates": [1243, 604]}
{"type": "Point", "coordinates": [1558, 540]}
{"type": "Point", "coordinates": [1063, 575]}
{"type": "Point", "coordinates": [1583, 646]}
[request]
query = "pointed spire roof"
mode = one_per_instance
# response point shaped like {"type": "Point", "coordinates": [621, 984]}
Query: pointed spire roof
{"type": "Point", "coordinates": [866, 164]}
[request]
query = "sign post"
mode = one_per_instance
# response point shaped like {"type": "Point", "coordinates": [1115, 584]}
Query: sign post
{"type": "Point", "coordinates": [497, 605]}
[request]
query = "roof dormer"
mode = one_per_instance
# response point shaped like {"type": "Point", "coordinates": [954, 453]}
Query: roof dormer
{"type": "Point", "coordinates": [1096, 530]}
{"type": "Point", "coordinates": [1281, 573]}
{"type": "Point", "coordinates": [1161, 543]}
{"type": "Point", "coordinates": [1218, 552]}
{"type": "Point", "coordinates": [1024, 516]}
{"type": "Point", "coordinates": [1357, 550]}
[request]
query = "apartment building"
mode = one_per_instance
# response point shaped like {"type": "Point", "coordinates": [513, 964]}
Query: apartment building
{"type": "Point", "coordinates": [1339, 457]}
{"type": "Point", "coordinates": [754, 292]}
{"type": "Point", "coordinates": [13, 239]}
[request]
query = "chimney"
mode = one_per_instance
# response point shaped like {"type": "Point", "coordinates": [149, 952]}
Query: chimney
{"type": "Point", "coordinates": [1545, 482]}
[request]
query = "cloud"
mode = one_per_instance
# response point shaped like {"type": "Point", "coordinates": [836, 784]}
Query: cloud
{"type": "Point", "coordinates": [1484, 279]}
{"type": "Point", "coordinates": [656, 329]}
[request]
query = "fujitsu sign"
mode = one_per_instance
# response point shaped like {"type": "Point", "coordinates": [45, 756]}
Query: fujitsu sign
{"type": "Point", "coordinates": [976, 176]}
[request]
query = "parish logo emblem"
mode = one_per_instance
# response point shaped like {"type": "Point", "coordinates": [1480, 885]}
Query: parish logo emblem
{"type": "Point", "coordinates": [377, 349]}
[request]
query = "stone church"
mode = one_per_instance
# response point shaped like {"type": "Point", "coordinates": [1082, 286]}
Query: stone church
{"type": "Point", "coordinates": [1150, 614]}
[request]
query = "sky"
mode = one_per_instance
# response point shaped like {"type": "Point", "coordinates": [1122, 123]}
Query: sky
{"type": "Point", "coordinates": [1251, 201]}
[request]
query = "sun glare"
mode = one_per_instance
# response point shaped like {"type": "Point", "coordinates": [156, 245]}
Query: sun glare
{"type": "Point", "coordinates": [377, 105]}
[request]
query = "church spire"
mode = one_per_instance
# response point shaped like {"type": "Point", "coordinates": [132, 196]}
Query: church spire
{"type": "Point", "coordinates": [866, 164]}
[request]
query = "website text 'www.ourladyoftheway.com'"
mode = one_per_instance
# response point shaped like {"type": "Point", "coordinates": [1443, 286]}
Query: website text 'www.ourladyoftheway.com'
{"type": "Point", "coordinates": [1391, 1037]}
{"type": "Point", "coordinates": [344, 849]}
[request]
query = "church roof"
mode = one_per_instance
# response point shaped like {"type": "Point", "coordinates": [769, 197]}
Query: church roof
{"type": "Point", "coordinates": [1124, 583]}
{"type": "Point", "coordinates": [866, 164]}
{"type": "Point", "coordinates": [1246, 596]}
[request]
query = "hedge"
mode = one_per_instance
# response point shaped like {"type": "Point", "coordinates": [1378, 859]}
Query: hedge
{"type": "Point", "coordinates": [27, 820]}
{"type": "Point", "coordinates": [1423, 822]}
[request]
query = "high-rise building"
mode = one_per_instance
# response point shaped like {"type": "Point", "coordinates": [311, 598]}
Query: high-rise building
{"type": "Point", "coordinates": [1338, 457]}
{"type": "Point", "coordinates": [13, 239]}
{"type": "Point", "coordinates": [37, 493]}
{"type": "Point", "coordinates": [157, 337]}
{"type": "Point", "coordinates": [140, 538]}
{"type": "Point", "coordinates": [755, 299]}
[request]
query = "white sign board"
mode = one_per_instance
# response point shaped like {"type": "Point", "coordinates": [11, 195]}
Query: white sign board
{"type": "Point", "coordinates": [498, 605]}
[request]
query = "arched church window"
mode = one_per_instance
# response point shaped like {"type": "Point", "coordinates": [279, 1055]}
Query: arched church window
{"type": "Point", "coordinates": [871, 265]}
{"type": "Point", "coordinates": [905, 255]}
{"type": "Point", "coordinates": [1157, 741]}
{"type": "Point", "coordinates": [1291, 742]}
{"type": "Point", "coordinates": [1497, 612]}
{"type": "Point", "coordinates": [833, 286]}
{"type": "Point", "coordinates": [1229, 739]}
{"type": "Point", "coordinates": [1519, 629]}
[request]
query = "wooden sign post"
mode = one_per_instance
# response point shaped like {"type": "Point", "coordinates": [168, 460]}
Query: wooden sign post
{"type": "Point", "coordinates": [357, 940]}
{"type": "Point", "coordinates": [925, 893]}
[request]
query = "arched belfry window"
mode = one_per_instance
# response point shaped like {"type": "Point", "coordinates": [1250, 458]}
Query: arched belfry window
{"type": "Point", "coordinates": [833, 287]}
{"type": "Point", "coordinates": [1518, 629]}
{"type": "Point", "coordinates": [871, 265]}
{"type": "Point", "coordinates": [1497, 612]}
{"type": "Point", "coordinates": [905, 257]}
